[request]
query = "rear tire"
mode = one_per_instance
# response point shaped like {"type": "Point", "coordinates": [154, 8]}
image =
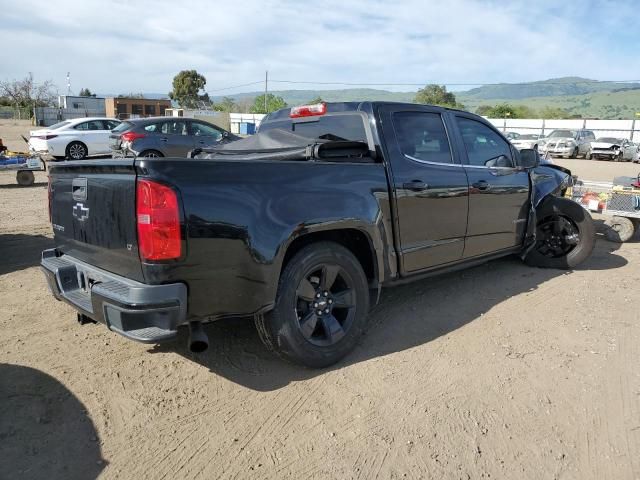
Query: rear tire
{"type": "Point", "coordinates": [321, 307]}
{"type": "Point", "coordinates": [25, 178]}
{"type": "Point", "coordinates": [619, 229]}
{"type": "Point", "coordinates": [565, 235]}
{"type": "Point", "coordinates": [151, 154]}
{"type": "Point", "coordinates": [587, 156]}
{"type": "Point", "coordinates": [76, 151]}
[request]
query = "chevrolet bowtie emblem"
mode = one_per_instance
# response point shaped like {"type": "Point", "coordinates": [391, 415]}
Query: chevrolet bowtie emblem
{"type": "Point", "coordinates": [80, 212]}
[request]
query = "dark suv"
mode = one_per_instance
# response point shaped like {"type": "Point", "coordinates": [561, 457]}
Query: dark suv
{"type": "Point", "coordinates": [165, 137]}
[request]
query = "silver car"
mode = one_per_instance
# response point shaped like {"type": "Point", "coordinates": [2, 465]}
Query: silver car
{"type": "Point", "coordinates": [568, 143]}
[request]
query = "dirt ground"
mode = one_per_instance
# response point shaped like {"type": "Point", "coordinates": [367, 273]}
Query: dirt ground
{"type": "Point", "coordinates": [500, 371]}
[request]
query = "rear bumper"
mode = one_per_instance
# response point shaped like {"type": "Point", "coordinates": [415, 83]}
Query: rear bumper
{"type": "Point", "coordinates": [141, 312]}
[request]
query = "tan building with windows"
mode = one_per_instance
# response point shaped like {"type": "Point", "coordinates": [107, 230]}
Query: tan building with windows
{"type": "Point", "coordinates": [123, 108]}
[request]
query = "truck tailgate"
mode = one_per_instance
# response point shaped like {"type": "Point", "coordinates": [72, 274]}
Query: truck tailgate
{"type": "Point", "coordinates": [93, 213]}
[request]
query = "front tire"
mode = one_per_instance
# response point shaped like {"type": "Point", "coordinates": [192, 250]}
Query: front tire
{"type": "Point", "coordinates": [321, 307]}
{"type": "Point", "coordinates": [565, 235]}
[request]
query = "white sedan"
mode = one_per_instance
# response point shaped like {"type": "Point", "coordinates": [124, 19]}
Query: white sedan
{"type": "Point", "coordinates": [74, 139]}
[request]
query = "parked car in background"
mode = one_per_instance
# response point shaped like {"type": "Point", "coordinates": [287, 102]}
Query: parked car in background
{"type": "Point", "coordinates": [568, 143]}
{"type": "Point", "coordinates": [165, 137]}
{"type": "Point", "coordinates": [528, 140]}
{"type": "Point", "coordinates": [74, 139]}
{"type": "Point", "coordinates": [610, 148]}
{"type": "Point", "coordinates": [512, 135]}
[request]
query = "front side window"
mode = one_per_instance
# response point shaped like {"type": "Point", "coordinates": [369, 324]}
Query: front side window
{"type": "Point", "coordinates": [110, 124]}
{"type": "Point", "coordinates": [422, 136]}
{"type": "Point", "coordinates": [174, 128]}
{"type": "Point", "coordinates": [200, 129]}
{"type": "Point", "coordinates": [485, 148]}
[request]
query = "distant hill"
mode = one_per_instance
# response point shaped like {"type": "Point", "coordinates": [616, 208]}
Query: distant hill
{"type": "Point", "coordinates": [579, 96]}
{"type": "Point", "coordinates": [546, 88]}
{"type": "Point", "coordinates": [298, 97]}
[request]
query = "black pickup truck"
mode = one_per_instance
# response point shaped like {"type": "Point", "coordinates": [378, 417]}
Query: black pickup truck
{"type": "Point", "coordinates": [301, 225]}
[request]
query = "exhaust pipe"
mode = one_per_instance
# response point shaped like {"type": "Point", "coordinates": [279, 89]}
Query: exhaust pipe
{"type": "Point", "coordinates": [198, 340]}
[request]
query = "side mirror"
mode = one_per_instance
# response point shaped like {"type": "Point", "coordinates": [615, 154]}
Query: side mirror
{"type": "Point", "coordinates": [529, 158]}
{"type": "Point", "coordinates": [225, 134]}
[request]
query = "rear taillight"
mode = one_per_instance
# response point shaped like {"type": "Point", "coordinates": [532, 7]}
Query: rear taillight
{"type": "Point", "coordinates": [158, 219]}
{"type": "Point", "coordinates": [131, 136]}
{"type": "Point", "coordinates": [45, 137]}
{"type": "Point", "coordinates": [308, 110]}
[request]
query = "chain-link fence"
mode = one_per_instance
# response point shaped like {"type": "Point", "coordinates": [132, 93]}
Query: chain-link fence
{"type": "Point", "coordinates": [15, 113]}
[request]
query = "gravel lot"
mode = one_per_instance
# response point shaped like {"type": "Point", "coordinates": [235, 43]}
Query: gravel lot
{"type": "Point", "coordinates": [501, 371]}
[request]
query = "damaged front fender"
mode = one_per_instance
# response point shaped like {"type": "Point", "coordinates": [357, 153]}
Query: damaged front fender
{"type": "Point", "coordinates": [546, 181]}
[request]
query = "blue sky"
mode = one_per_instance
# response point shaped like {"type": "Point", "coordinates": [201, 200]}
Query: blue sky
{"type": "Point", "coordinates": [119, 46]}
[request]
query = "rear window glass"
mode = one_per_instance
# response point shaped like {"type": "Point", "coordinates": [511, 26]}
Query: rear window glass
{"type": "Point", "coordinates": [331, 127]}
{"type": "Point", "coordinates": [58, 125]}
{"type": "Point", "coordinates": [123, 126]}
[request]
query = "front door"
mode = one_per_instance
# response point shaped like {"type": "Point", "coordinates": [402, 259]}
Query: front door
{"type": "Point", "coordinates": [498, 191]}
{"type": "Point", "coordinates": [429, 184]}
{"type": "Point", "coordinates": [205, 135]}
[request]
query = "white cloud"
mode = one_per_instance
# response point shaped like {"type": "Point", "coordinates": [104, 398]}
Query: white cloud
{"type": "Point", "coordinates": [123, 46]}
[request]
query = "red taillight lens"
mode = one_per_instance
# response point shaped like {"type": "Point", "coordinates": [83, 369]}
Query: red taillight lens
{"type": "Point", "coordinates": [308, 110]}
{"type": "Point", "coordinates": [131, 136]}
{"type": "Point", "coordinates": [158, 221]}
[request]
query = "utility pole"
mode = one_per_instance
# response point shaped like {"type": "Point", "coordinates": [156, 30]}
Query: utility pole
{"type": "Point", "coordinates": [266, 89]}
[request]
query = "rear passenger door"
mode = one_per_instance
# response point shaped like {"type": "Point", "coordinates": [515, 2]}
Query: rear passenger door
{"type": "Point", "coordinates": [174, 138]}
{"type": "Point", "coordinates": [429, 184]}
{"type": "Point", "coordinates": [498, 191]}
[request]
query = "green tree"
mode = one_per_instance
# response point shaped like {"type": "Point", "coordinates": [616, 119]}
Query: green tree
{"type": "Point", "coordinates": [85, 92]}
{"type": "Point", "coordinates": [437, 95]}
{"type": "Point", "coordinates": [273, 103]}
{"type": "Point", "coordinates": [186, 88]}
{"type": "Point", "coordinates": [506, 110]}
{"type": "Point", "coordinates": [131, 95]}
{"type": "Point", "coordinates": [554, 113]}
{"type": "Point", "coordinates": [315, 100]}
{"type": "Point", "coordinates": [227, 104]}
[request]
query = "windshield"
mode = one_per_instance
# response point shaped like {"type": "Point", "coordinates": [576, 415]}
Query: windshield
{"type": "Point", "coordinates": [563, 134]}
{"type": "Point", "coordinates": [58, 125]}
{"type": "Point", "coordinates": [122, 127]}
{"type": "Point", "coordinates": [609, 140]}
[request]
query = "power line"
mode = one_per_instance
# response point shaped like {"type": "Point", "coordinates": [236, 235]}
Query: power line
{"type": "Point", "coordinates": [541, 83]}
{"type": "Point", "coordinates": [235, 86]}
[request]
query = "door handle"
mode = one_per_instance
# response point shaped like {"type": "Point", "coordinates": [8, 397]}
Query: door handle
{"type": "Point", "coordinates": [164, 139]}
{"type": "Point", "coordinates": [201, 142]}
{"type": "Point", "coordinates": [415, 186]}
{"type": "Point", "coordinates": [481, 185]}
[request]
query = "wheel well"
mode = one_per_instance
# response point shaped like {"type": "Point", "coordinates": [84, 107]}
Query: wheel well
{"type": "Point", "coordinates": [66, 150]}
{"type": "Point", "coordinates": [353, 240]}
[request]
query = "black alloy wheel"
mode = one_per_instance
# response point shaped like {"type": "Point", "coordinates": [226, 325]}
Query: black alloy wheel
{"type": "Point", "coordinates": [557, 237]}
{"type": "Point", "coordinates": [325, 305]}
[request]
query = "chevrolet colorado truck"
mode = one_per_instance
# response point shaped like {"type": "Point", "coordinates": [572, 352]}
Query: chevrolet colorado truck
{"type": "Point", "coordinates": [301, 225]}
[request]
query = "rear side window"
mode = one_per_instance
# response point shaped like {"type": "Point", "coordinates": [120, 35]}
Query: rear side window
{"type": "Point", "coordinates": [485, 148]}
{"type": "Point", "coordinates": [422, 136]}
{"type": "Point", "coordinates": [92, 125]}
{"type": "Point", "coordinates": [174, 128]}
{"type": "Point", "coordinates": [153, 128]}
{"type": "Point", "coordinates": [331, 127]}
